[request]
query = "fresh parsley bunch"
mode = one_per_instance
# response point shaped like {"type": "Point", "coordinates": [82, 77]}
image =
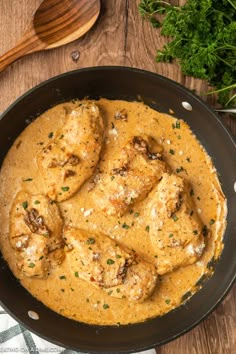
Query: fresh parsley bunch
{"type": "Point", "coordinates": [204, 40]}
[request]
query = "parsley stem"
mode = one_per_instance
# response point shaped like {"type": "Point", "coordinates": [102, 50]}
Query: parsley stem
{"type": "Point", "coordinates": [223, 89]}
{"type": "Point", "coordinates": [224, 61]}
{"type": "Point", "coordinates": [231, 99]}
{"type": "Point", "coordinates": [230, 2]}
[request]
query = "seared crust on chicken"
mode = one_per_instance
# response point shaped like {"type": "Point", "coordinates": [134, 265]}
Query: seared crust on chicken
{"type": "Point", "coordinates": [100, 261]}
{"type": "Point", "coordinates": [172, 209]}
{"type": "Point", "coordinates": [36, 234]}
{"type": "Point", "coordinates": [131, 176]}
{"type": "Point", "coordinates": [70, 158]}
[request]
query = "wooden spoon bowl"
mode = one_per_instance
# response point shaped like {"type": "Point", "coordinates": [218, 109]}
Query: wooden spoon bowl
{"type": "Point", "coordinates": [55, 23]}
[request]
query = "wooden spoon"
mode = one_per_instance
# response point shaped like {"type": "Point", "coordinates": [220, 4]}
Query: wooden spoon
{"type": "Point", "coordinates": [55, 23]}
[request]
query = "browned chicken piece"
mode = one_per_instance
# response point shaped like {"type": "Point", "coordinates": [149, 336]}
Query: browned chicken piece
{"type": "Point", "coordinates": [99, 260]}
{"type": "Point", "coordinates": [131, 176]}
{"type": "Point", "coordinates": [36, 234]}
{"type": "Point", "coordinates": [71, 157]}
{"type": "Point", "coordinates": [175, 229]}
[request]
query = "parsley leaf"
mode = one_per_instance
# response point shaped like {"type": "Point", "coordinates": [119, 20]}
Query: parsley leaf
{"type": "Point", "coordinates": [203, 41]}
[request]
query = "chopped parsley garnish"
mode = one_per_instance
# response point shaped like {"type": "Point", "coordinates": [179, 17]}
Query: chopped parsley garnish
{"type": "Point", "coordinates": [31, 265]}
{"type": "Point", "coordinates": [125, 226]}
{"type": "Point", "coordinates": [212, 221]}
{"type": "Point", "coordinates": [205, 231]}
{"type": "Point", "coordinates": [136, 215]}
{"type": "Point", "coordinates": [195, 232]}
{"type": "Point", "coordinates": [177, 124]}
{"type": "Point", "coordinates": [62, 277]}
{"type": "Point", "coordinates": [110, 292]}
{"type": "Point", "coordinates": [118, 290]}
{"type": "Point", "coordinates": [179, 137]}
{"type": "Point", "coordinates": [106, 306]}
{"type": "Point", "coordinates": [25, 205]}
{"type": "Point", "coordinates": [65, 189]}
{"type": "Point", "coordinates": [188, 159]}
{"type": "Point", "coordinates": [36, 202]}
{"type": "Point", "coordinates": [171, 235]}
{"type": "Point", "coordinates": [167, 301]}
{"type": "Point", "coordinates": [178, 170]}
{"type": "Point", "coordinates": [171, 151]}
{"type": "Point", "coordinates": [118, 256]}
{"type": "Point", "coordinates": [90, 241]}
{"type": "Point", "coordinates": [191, 192]}
{"type": "Point", "coordinates": [50, 135]}
{"type": "Point", "coordinates": [77, 274]}
{"type": "Point", "coordinates": [147, 228]}
{"type": "Point", "coordinates": [62, 136]}
{"type": "Point", "coordinates": [28, 180]}
{"type": "Point", "coordinates": [174, 217]}
{"type": "Point", "coordinates": [40, 258]}
{"type": "Point", "coordinates": [110, 261]}
{"type": "Point", "coordinates": [112, 177]}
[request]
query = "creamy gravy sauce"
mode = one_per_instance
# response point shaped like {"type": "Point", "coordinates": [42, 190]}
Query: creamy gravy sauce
{"type": "Point", "coordinates": [73, 297]}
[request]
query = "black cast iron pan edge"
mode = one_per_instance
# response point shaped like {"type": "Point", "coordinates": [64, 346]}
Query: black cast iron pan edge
{"type": "Point", "coordinates": [128, 350]}
{"type": "Point", "coordinates": [126, 68]}
{"type": "Point", "coordinates": [145, 73]}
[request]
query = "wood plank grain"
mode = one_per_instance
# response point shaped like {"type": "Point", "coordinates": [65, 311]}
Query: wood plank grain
{"type": "Point", "coordinates": [54, 23]}
{"type": "Point", "coordinates": [120, 37]}
{"type": "Point", "coordinates": [215, 335]}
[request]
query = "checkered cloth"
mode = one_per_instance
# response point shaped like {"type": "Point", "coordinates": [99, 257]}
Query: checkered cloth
{"type": "Point", "coordinates": [14, 338]}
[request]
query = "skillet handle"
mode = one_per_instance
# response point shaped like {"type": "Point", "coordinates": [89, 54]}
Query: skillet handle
{"type": "Point", "coordinates": [29, 43]}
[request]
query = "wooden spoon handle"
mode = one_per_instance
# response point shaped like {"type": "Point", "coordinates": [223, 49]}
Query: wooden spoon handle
{"type": "Point", "coordinates": [28, 44]}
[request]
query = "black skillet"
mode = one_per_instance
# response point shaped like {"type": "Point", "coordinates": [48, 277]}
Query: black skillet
{"type": "Point", "coordinates": [161, 94]}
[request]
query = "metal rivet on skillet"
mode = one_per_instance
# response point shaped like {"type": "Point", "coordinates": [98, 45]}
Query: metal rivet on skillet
{"type": "Point", "coordinates": [235, 187]}
{"type": "Point", "coordinates": [187, 106]}
{"type": "Point", "coordinates": [33, 315]}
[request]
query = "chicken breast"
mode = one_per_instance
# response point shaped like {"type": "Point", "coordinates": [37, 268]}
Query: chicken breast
{"type": "Point", "coordinates": [103, 263]}
{"type": "Point", "coordinates": [71, 157]}
{"type": "Point", "coordinates": [131, 176]}
{"type": "Point", "coordinates": [36, 234]}
{"type": "Point", "coordinates": [172, 209]}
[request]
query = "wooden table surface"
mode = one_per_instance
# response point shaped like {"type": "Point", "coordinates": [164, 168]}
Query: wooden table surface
{"type": "Point", "coordinates": [120, 37]}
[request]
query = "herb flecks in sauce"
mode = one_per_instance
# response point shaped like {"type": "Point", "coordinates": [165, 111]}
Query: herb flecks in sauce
{"type": "Point", "coordinates": [129, 230]}
{"type": "Point", "coordinates": [110, 261]}
{"type": "Point", "coordinates": [25, 205]}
